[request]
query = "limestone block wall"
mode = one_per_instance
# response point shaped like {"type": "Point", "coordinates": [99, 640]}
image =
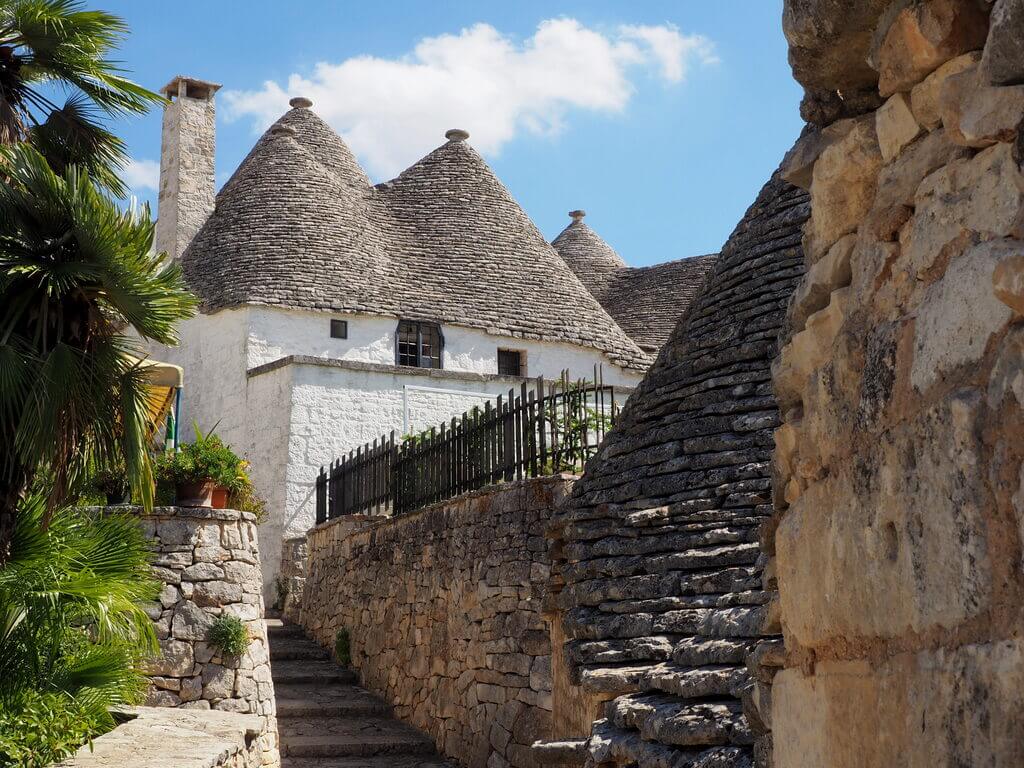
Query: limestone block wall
{"type": "Point", "coordinates": [209, 563]}
{"type": "Point", "coordinates": [899, 468]}
{"type": "Point", "coordinates": [443, 609]}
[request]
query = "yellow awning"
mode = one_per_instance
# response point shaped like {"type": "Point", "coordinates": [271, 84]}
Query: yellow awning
{"type": "Point", "coordinates": [165, 379]}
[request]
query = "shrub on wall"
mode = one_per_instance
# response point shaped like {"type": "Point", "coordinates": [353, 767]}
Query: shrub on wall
{"type": "Point", "coordinates": [342, 647]}
{"type": "Point", "coordinates": [228, 635]}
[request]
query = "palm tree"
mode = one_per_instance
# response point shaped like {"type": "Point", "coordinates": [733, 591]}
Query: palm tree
{"type": "Point", "coordinates": [76, 275]}
{"type": "Point", "coordinates": [55, 44]}
{"type": "Point", "coordinates": [73, 632]}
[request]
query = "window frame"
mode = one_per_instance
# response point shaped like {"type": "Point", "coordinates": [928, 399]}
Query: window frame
{"type": "Point", "coordinates": [344, 326]}
{"type": "Point", "coordinates": [520, 356]}
{"type": "Point", "coordinates": [423, 329]}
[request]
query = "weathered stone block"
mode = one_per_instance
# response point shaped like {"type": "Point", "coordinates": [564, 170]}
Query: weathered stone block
{"type": "Point", "coordinates": [963, 706]}
{"type": "Point", "coordinates": [924, 36]}
{"type": "Point", "coordinates": [960, 313]}
{"type": "Point", "coordinates": [895, 125]}
{"type": "Point", "coordinates": [1003, 61]}
{"type": "Point", "coordinates": [843, 187]}
{"type": "Point", "coordinates": [924, 98]}
{"type": "Point", "coordinates": [976, 114]}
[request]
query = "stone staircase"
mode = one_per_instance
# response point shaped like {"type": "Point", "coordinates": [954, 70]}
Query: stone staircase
{"type": "Point", "coordinates": [326, 720]}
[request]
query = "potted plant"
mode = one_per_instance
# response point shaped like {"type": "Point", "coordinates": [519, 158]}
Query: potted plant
{"type": "Point", "coordinates": [112, 484]}
{"type": "Point", "coordinates": [207, 473]}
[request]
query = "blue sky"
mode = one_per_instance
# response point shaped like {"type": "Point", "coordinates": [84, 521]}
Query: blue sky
{"type": "Point", "coordinates": [661, 119]}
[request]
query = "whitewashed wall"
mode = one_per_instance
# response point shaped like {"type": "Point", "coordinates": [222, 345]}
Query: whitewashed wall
{"type": "Point", "coordinates": [275, 333]}
{"type": "Point", "coordinates": [291, 420]}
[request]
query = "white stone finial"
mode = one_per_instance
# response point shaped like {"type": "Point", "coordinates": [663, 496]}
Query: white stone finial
{"type": "Point", "coordinates": [300, 102]}
{"type": "Point", "coordinates": [456, 134]}
{"type": "Point", "coordinates": [577, 216]}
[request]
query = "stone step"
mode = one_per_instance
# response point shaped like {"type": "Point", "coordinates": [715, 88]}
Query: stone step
{"type": "Point", "coordinates": [568, 752]}
{"type": "Point", "coordinates": [294, 671]}
{"type": "Point", "coordinates": [284, 650]}
{"type": "Point", "coordinates": [695, 682]}
{"type": "Point", "coordinates": [671, 720]}
{"type": "Point", "coordinates": [327, 701]}
{"type": "Point", "coordinates": [375, 761]}
{"type": "Point", "coordinates": [351, 737]}
{"type": "Point", "coordinates": [279, 629]}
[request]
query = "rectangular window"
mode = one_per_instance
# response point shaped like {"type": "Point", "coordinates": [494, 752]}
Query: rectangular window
{"type": "Point", "coordinates": [511, 362]}
{"type": "Point", "coordinates": [339, 329]}
{"type": "Point", "coordinates": [418, 344]}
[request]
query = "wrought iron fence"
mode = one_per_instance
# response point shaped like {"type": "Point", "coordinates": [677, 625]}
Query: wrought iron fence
{"type": "Point", "coordinates": [553, 427]}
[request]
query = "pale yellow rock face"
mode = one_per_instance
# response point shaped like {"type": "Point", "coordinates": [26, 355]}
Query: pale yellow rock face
{"type": "Point", "coordinates": [842, 187]}
{"type": "Point", "coordinates": [898, 468]}
{"type": "Point", "coordinates": [895, 125]}
{"type": "Point", "coordinates": [901, 541]}
{"type": "Point", "coordinates": [924, 98]}
{"type": "Point", "coordinates": [955, 707]}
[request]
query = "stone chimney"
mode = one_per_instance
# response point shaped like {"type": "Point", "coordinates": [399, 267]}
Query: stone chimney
{"type": "Point", "coordinates": [186, 163]}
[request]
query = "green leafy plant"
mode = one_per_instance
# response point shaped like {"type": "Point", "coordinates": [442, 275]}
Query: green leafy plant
{"type": "Point", "coordinates": [208, 458]}
{"type": "Point", "coordinates": [73, 633]}
{"type": "Point", "coordinates": [43, 728]}
{"type": "Point", "coordinates": [228, 635]}
{"type": "Point", "coordinates": [342, 647]}
{"type": "Point", "coordinates": [57, 45]}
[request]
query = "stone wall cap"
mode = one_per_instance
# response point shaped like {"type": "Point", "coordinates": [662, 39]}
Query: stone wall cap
{"type": "Point", "coordinates": [170, 736]}
{"type": "Point", "coordinates": [300, 102]}
{"type": "Point", "coordinates": [456, 134]}
{"type": "Point", "coordinates": [196, 513]}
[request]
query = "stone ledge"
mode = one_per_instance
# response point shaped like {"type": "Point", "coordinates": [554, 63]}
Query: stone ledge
{"type": "Point", "coordinates": [185, 739]}
{"type": "Point", "coordinates": [195, 513]}
{"type": "Point", "coordinates": [396, 370]}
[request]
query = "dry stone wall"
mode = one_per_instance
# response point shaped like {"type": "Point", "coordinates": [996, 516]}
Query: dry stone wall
{"type": "Point", "coordinates": [209, 563]}
{"type": "Point", "coordinates": [899, 468]}
{"type": "Point", "coordinates": [443, 610]}
{"type": "Point", "coordinates": [663, 596]}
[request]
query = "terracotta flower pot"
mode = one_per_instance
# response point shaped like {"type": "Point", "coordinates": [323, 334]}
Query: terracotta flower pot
{"type": "Point", "coordinates": [196, 494]}
{"type": "Point", "coordinates": [219, 498]}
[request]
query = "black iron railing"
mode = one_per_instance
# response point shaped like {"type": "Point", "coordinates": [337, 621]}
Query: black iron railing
{"type": "Point", "coordinates": [550, 428]}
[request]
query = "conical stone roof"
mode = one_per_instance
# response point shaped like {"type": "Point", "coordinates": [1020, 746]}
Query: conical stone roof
{"type": "Point", "coordinates": [663, 597]}
{"type": "Point", "coordinates": [646, 302]}
{"type": "Point", "coordinates": [299, 225]}
{"type": "Point", "coordinates": [594, 261]}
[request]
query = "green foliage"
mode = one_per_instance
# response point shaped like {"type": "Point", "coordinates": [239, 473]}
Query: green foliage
{"type": "Point", "coordinates": [281, 589]}
{"type": "Point", "coordinates": [44, 728]}
{"type": "Point", "coordinates": [342, 647]}
{"type": "Point", "coordinates": [72, 629]}
{"type": "Point", "coordinates": [228, 635]}
{"type": "Point", "coordinates": [74, 272]}
{"type": "Point", "coordinates": [55, 45]}
{"type": "Point", "coordinates": [208, 458]}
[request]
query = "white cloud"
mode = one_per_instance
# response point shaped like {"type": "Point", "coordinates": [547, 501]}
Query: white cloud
{"type": "Point", "coordinates": [142, 174]}
{"type": "Point", "coordinates": [672, 50]}
{"type": "Point", "coordinates": [393, 111]}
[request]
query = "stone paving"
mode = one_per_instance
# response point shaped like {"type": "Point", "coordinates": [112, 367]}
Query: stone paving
{"type": "Point", "coordinates": [326, 720]}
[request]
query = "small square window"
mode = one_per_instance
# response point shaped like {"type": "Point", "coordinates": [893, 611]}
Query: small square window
{"type": "Point", "coordinates": [339, 329]}
{"type": "Point", "coordinates": [511, 362]}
